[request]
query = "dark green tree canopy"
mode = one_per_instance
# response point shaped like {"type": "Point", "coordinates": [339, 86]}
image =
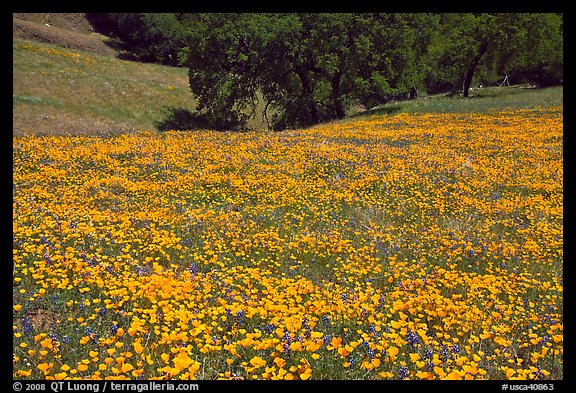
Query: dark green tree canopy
{"type": "Point", "coordinates": [307, 68]}
{"type": "Point", "coordinates": [525, 46]}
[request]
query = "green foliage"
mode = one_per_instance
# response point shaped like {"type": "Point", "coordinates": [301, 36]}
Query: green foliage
{"type": "Point", "coordinates": [542, 64]}
{"type": "Point", "coordinates": [483, 48]}
{"type": "Point", "coordinates": [148, 37]}
{"type": "Point", "coordinates": [307, 67]}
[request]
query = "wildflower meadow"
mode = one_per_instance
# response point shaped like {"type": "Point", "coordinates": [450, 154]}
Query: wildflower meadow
{"type": "Point", "coordinates": [411, 246]}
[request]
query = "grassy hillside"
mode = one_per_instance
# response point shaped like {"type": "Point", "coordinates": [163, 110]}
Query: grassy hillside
{"type": "Point", "coordinates": [63, 90]}
{"type": "Point", "coordinates": [67, 21]}
{"type": "Point", "coordinates": [483, 100]}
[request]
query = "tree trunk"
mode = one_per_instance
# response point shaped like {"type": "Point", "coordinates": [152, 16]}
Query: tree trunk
{"type": "Point", "coordinates": [307, 94]}
{"type": "Point", "coordinates": [336, 97]}
{"type": "Point", "coordinates": [472, 69]}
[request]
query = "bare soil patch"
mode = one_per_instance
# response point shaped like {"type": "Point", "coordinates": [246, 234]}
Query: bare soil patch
{"type": "Point", "coordinates": [73, 35]}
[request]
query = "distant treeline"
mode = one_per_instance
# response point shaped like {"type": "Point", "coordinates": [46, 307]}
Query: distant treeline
{"type": "Point", "coordinates": [302, 69]}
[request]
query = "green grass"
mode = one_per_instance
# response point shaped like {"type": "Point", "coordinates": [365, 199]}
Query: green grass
{"type": "Point", "coordinates": [35, 101]}
{"type": "Point", "coordinates": [483, 100]}
{"type": "Point", "coordinates": [86, 92]}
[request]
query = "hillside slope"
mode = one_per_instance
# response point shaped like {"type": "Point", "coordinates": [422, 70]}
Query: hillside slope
{"type": "Point", "coordinates": [59, 90]}
{"type": "Point", "coordinates": [68, 30]}
{"type": "Point", "coordinates": [69, 21]}
{"type": "Point", "coordinates": [67, 79]}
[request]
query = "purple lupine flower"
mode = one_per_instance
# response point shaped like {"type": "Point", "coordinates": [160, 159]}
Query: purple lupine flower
{"type": "Point", "coordinates": [403, 373]}
{"type": "Point", "coordinates": [372, 329]}
{"type": "Point", "coordinates": [412, 339]}
{"type": "Point", "coordinates": [371, 353]}
{"type": "Point", "coordinates": [269, 328]}
{"type": "Point", "coordinates": [193, 270]}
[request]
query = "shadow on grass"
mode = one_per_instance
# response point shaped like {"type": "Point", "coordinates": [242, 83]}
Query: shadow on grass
{"type": "Point", "coordinates": [180, 119]}
{"type": "Point", "coordinates": [387, 109]}
{"type": "Point", "coordinates": [102, 24]}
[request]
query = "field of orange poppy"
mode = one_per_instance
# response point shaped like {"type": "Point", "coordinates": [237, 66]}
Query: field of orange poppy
{"type": "Point", "coordinates": [414, 246]}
